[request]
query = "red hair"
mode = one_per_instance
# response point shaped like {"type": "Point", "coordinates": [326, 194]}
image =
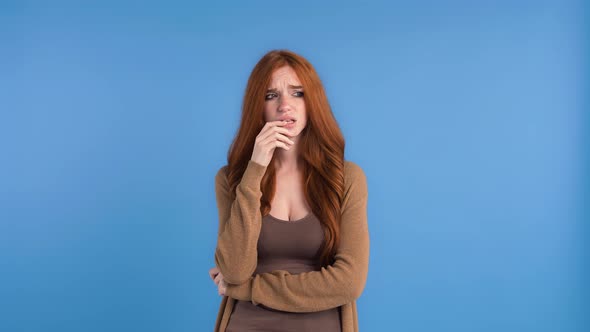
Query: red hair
{"type": "Point", "coordinates": [321, 145]}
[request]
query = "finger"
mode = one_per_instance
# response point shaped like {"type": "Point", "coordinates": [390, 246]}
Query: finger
{"type": "Point", "coordinates": [266, 127]}
{"type": "Point", "coordinates": [281, 134]}
{"type": "Point", "coordinates": [282, 130]}
{"type": "Point", "coordinates": [285, 139]}
{"type": "Point", "coordinates": [271, 142]}
{"type": "Point", "coordinates": [218, 279]}
{"type": "Point", "coordinates": [272, 126]}
{"type": "Point", "coordinates": [213, 272]}
{"type": "Point", "coordinates": [275, 123]}
{"type": "Point", "coordinates": [282, 145]}
{"type": "Point", "coordinates": [213, 275]}
{"type": "Point", "coordinates": [275, 129]}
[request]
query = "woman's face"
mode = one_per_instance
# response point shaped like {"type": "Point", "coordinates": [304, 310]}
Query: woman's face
{"type": "Point", "coordinates": [284, 100]}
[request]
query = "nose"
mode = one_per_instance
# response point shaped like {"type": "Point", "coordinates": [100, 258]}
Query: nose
{"type": "Point", "coordinates": [284, 104]}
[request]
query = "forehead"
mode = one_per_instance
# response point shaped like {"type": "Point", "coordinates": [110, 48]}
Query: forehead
{"type": "Point", "coordinates": [284, 76]}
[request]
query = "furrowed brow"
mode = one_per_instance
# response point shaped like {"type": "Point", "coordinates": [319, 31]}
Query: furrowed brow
{"type": "Point", "coordinates": [290, 87]}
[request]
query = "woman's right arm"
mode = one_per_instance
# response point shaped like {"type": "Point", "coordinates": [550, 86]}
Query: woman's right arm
{"type": "Point", "coordinates": [240, 221]}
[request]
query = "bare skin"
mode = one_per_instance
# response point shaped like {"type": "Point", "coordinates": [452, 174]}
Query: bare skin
{"type": "Point", "coordinates": [283, 100]}
{"type": "Point", "coordinates": [271, 136]}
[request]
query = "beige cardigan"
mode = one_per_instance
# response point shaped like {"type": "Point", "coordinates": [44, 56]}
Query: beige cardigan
{"type": "Point", "coordinates": [337, 285]}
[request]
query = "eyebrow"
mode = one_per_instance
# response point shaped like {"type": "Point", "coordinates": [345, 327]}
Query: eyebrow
{"type": "Point", "coordinates": [290, 87]}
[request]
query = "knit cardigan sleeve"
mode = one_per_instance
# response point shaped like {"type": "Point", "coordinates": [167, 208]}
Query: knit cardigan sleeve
{"type": "Point", "coordinates": [240, 221]}
{"type": "Point", "coordinates": [332, 286]}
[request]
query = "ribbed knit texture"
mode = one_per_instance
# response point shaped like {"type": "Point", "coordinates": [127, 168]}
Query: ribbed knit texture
{"type": "Point", "coordinates": [337, 285]}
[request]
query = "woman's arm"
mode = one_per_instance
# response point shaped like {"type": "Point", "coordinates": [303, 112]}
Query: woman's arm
{"type": "Point", "coordinates": [332, 286]}
{"type": "Point", "coordinates": [239, 224]}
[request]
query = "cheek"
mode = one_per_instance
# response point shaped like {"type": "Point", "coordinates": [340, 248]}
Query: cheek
{"type": "Point", "coordinates": [302, 123]}
{"type": "Point", "coordinates": [303, 112]}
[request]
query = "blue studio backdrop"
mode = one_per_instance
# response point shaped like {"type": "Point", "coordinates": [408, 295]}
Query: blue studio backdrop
{"type": "Point", "coordinates": [466, 116]}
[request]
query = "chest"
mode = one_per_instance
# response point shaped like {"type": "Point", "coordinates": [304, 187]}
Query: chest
{"type": "Point", "coordinates": [289, 201]}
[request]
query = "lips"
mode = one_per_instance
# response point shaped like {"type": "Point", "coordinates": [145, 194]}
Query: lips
{"type": "Point", "coordinates": [289, 119]}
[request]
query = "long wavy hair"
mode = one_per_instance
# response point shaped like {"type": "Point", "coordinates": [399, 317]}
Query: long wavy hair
{"type": "Point", "coordinates": [321, 146]}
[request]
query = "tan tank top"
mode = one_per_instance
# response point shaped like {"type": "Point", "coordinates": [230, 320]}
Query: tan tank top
{"type": "Point", "coordinates": [293, 246]}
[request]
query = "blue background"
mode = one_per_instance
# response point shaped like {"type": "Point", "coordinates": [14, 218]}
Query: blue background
{"type": "Point", "coordinates": [468, 118]}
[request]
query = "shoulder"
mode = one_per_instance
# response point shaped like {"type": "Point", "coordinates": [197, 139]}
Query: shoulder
{"type": "Point", "coordinates": [355, 185]}
{"type": "Point", "coordinates": [355, 179]}
{"type": "Point", "coordinates": [222, 170]}
{"type": "Point", "coordinates": [221, 175]}
{"type": "Point", "coordinates": [353, 172]}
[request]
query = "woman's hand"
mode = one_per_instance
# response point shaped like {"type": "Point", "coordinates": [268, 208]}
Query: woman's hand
{"type": "Point", "coordinates": [271, 136]}
{"type": "Point", "coordinates": [219, 281]}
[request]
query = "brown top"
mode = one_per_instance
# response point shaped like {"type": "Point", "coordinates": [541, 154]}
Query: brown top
{"type": "Point", "coordinates": [293, 246]}
{"type": "Point", "coordinates": [236, 254]}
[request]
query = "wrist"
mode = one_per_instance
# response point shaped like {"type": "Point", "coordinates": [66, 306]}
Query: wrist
{"type": "Point", "coordinates": [253, 174]}
{"type": "Point", "coordinates": [242, 292]}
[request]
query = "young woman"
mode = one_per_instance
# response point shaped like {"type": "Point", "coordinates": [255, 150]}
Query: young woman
{"type": "Point", "coordinates": [293, 242]}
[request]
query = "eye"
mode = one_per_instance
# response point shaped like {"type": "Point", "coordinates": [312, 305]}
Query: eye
{"type": "Point", "coordinates": [269, 96]}
{"type": "Point", "coordinates": [298, 94]}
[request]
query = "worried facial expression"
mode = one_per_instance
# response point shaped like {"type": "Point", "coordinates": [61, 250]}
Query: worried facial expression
{"type": "Point", "coordinates": [284, 100]}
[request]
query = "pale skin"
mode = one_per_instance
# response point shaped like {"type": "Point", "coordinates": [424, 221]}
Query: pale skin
{"type": "Point", "coordinates": [283, 99]}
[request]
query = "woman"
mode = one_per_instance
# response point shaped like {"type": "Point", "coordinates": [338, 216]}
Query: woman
{"type": "Point", "coordinates": [293, 243]}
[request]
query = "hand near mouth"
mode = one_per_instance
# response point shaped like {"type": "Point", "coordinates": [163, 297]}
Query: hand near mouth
{"type": "Point", "coordinates": [272, 135]}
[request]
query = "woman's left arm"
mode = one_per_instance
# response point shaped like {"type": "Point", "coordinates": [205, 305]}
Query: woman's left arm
{"type": "Point", "coordinates": [332, 286]}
